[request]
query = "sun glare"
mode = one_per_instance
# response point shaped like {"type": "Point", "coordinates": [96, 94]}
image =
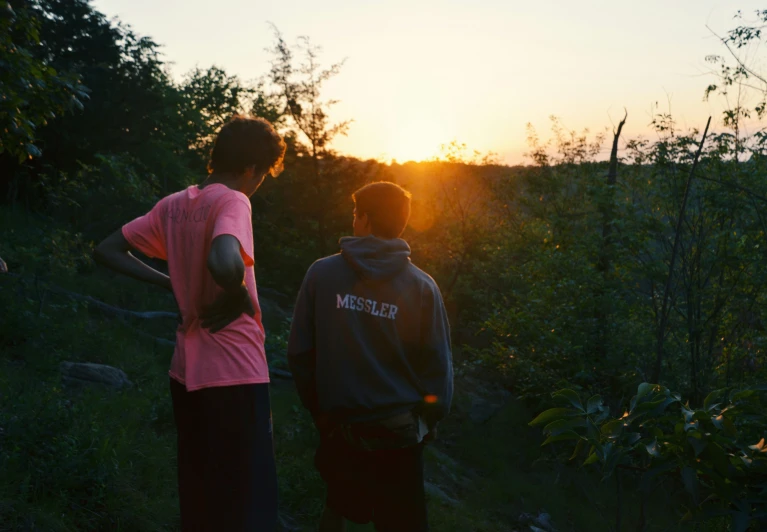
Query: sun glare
{"type": "Point", "coordinates": [416, 141]}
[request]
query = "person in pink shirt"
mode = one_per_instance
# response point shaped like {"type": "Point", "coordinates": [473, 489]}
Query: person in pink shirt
{"type": "Point", "coordinates": [219, 377]}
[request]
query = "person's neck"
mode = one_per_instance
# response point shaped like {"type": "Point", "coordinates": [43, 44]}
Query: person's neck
{"type": "Point", "coordinates": [374, 236]}
{"type": "Point", "coordinates": [228, 180]}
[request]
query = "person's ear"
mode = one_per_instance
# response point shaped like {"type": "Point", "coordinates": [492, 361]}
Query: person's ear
{"type": "Point", "coordinates": [365, 221]}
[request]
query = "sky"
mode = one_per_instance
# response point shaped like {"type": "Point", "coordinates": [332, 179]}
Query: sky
{"type": "Point", "coordinates": [421, 73]}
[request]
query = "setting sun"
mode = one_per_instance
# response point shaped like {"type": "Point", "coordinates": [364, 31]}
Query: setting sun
{"type": "Point", "coordinates": [416, 141]}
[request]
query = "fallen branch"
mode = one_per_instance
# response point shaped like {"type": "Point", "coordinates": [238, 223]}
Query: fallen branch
{"type": "Point", "coordinates": [109, 309]}
{"type": "Point", "coordinates": [159, 340]}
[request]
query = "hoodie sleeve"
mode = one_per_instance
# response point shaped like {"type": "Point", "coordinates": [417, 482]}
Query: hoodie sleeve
{"type": "Point", "coordinates": [436, 369]}
{"type": "Point", "coordinates": [301, 348]}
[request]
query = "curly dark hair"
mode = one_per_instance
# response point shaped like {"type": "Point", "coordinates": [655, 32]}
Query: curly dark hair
{"type": "Point", "coordinates": [247, 141]}
{"type": "Point", "coordinates": [387, 206]}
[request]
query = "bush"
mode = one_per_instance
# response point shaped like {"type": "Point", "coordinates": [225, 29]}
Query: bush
{"type": "Point", "coordinates": [717, 452]}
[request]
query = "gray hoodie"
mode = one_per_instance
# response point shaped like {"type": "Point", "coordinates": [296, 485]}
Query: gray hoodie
{"type": "Point", "coordinates": [370, 336]}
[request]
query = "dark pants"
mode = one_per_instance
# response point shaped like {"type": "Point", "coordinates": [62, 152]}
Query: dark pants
{"type": "Point", "coordinates": [227, 478]}
{"type": "Point", "coordinates": [382, 486]}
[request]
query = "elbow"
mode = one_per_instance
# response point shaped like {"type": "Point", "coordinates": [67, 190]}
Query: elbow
{"type": "Point", "coordinates": [100, 254]}
{"type": "Point", "coordinates": [110, 251]}
{"type": "Point", "coordinates": [225, 275]}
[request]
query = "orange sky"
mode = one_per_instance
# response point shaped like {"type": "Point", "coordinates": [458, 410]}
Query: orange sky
{"type": "Point", "coordinates": [423, 73]}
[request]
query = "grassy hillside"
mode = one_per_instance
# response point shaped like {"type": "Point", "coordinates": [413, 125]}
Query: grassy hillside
{"type": "Point", "coordinates": [99, 460]}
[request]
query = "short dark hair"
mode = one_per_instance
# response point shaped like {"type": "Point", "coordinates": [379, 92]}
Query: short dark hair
{"type": "Point", "coordinates": [246, 141]}
{"type": "Point", "coordinates": [387, 206]}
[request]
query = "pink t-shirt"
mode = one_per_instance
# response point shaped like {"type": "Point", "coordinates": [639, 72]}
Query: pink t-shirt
{"type": "Point", "coordinates": [180, 229]}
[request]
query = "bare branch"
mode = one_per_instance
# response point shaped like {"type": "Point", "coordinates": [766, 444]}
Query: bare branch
{"type": "Point", "coordinates": [104, 307]}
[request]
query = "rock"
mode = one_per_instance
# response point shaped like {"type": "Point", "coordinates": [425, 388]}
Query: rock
{"type": "Point", "coordinates": [78, 374]}
{"type": "Point", "coordinates": [543, 521]}
{"type": "Point", "coordinates": [481, 400]}
{"type": "Point", "coordinates": [438, 493]}
{"type": "Point", "coordinates": [481, 410]}
{"type": "Point", "coordinates": [285, 523]}
{"type": "Point", "coordinates": [538, 523]}
{"type": "Point", "coordinates": [442, 458]}
{"type": "Point", "coordinates": [280, 373]}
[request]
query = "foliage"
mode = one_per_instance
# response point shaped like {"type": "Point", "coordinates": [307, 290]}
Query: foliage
{"type": "Point", "coordinates": [553, 273]}
{"type": "Point", "coordinates": [212, 97]}
{"type": "Point", "coordinates": [739, 78]}
{"type": "Point", "coordinates": [33, 91]}
{"type": "Point", "coordinates": [324, 181]}
{"type": "Point", "coordinates": [85, 199]}
{"type": "Point", "coordinates": [560, 316]}
{"type": "Point", "coordinates": [716, 451]}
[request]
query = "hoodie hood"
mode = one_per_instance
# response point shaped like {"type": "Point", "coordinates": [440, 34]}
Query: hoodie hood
{"type": "Point", "coordinates": [374, 258]}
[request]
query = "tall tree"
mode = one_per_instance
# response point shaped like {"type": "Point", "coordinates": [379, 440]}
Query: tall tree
{"type": "Point", "coordinates": [299, 83]}
{"type": "Point", "coordinates": [212, 97]}
{"type": "Point", "coordinates": [33, 90]}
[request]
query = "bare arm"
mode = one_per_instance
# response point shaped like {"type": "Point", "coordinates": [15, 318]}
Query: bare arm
{"type": "Point", "coordinates": [225, 262]}
{"type": "Point", "coordinates": [228, 271]}
{"type": "Point", "coordinates": [115, 252]}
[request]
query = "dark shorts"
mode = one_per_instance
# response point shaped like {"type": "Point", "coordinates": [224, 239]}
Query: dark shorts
{"type": "Point", "coordinates": [227, 478]}
{"type": "Point", "coordinates": [382, 486]}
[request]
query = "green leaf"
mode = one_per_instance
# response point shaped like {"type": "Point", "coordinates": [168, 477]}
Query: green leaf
{"type": "Point", "coordinates": [578, 449]}
{"type": "Point", "coordinates": [568, 435]}
{"type": "Point", "coordinates": [570, 396]}
{"type": "Point", "coordinates": [593, 404]}
{"type": "Point", "coordinates": [743, 394]}
{"type": "Point", "coordinates": [653, 449]}
{"type": "Point", "coordinates": [632, 438]}
{"type": "Point", "coordinates": [33, 151]}
{"type": "Point", "coordinates": [697, 444]}
{"type": "Point", "coordinates": [613, 428]}
{"type": "Point", "coordinates": [592, 458]}
{"type": "Point", "coordinates": [724, 424]}
{"type": "Point", "coordinates": [561, 425]}
{"type": "Point", "coordinates": [552, 414]}
{"type": "Point", "coordinates": [710, 400]}
{"type": "Point", "coordinates": [718, 458]}
{"type": "Point", "coordinates": [592, 429]}
{"type": "Point", "coordinates": [644, 389]}
{"type": "Point", "coordinates": [690, 480]}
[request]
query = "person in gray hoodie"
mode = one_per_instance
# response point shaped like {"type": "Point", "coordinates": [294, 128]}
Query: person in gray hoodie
{"type": "Point", "coordinates": [370, 353]}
